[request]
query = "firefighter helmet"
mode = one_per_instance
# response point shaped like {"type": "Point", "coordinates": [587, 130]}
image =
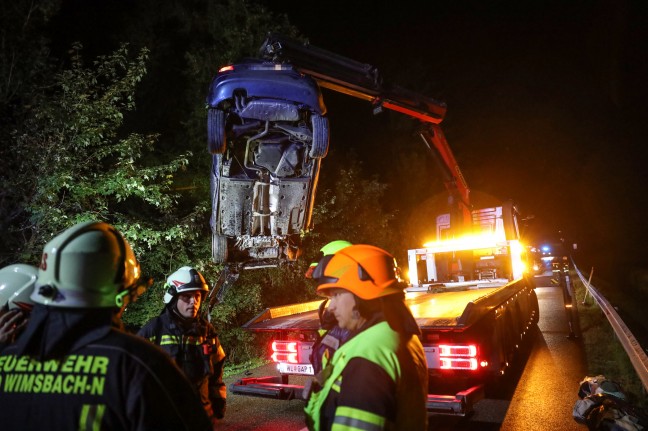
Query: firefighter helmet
{"type": "Point", "coordinates": [327, 250]}
{"type": "Point", "coordinates": [16, 285]}
{"type": "Point", "coordinates": [186, 279]}
{"type": "Point", "coordinates": [334, 246]}
{"type": "Point", "coordinates": [89, 265]}
{"type": "Point", "coordinates": [364, 270]}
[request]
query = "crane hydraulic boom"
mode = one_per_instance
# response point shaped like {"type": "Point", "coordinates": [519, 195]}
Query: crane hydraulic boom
{"type": "Point", "coordinates": [364, 81]}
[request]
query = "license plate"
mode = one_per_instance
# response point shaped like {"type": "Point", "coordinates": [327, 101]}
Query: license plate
{"type": "Point", "coordinates": [306, 369]}
{"type": "Point", "coordinates": [432, 356]}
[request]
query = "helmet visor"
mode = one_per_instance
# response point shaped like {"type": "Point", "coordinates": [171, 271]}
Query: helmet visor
{"type": "Point", "coordinates": [318, 272]}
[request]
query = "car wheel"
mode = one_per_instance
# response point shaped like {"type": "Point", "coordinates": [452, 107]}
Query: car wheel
{"type": "Point", "coordinates": [216, 139]}
{"type": "Point", "coordinates": [320, 144]}
{"type": "Point", "coordinates": [219, 248]}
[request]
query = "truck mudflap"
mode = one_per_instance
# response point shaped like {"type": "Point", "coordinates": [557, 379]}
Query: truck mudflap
{"type": "Point", "coordinates": [460, 404]}
{"type": "Point", "coordinates": [267, 387]}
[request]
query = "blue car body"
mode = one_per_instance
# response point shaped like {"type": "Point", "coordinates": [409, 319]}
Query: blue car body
{"type": "Point", "coordinates": [267, 133]}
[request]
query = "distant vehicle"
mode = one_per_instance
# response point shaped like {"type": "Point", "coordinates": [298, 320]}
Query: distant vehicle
{"type": "Point", "coordinates": [560, 264]}
{"type": "Point", "coordinates": [267, 132]}
{"type": "Point", "coordinates": [538, 267]}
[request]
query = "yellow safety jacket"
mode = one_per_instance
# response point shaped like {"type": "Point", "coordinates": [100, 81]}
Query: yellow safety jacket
{"type": "Point", "coordinates": [402, 360]}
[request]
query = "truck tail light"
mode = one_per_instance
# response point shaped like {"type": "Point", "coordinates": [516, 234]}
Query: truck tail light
{"type": "Point", "coordinates": [284, 351]}
{"type": "Point", "coordinates": [458, 357]}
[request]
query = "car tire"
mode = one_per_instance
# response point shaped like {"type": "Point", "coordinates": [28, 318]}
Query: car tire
{"type": "Point", "coordinates": [320, 145]}
{"type": "Point", "coordinates": [216, 138]}
{"type": "Point", "coordinates": [219, 248]}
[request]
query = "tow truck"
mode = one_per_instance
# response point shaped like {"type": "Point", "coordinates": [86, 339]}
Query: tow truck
{"type": "Point", "coordinates": [468, 289]}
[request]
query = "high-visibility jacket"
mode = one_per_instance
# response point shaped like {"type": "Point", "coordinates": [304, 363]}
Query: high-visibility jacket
{"type": "Point", "coordinates": [377, 380]}
{"type": "Point", "coordinates": [70, 370]}
{"type": "Point", "coordinates": [197, 351]}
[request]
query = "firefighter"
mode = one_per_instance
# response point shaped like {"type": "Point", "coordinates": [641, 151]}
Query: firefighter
{"type": "Point", "coordinates": [330, 336]}
{"type": "Point", "coordinates": [377, 380]}
{"type": "Point", "coordinates": [71, 368]}
{"type": "Point", "coordinates": [16, 285]}
{"type": "Point", "coordinates": [190, 339]}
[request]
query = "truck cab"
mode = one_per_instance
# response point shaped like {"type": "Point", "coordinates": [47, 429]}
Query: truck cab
{"type": "Point", "coordinates": [489, 250]}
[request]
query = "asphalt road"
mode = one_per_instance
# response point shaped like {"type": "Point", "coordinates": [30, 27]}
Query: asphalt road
{"type": "Point", "coordinates": [538, 394]}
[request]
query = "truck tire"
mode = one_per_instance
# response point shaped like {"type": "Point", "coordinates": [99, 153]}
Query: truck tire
{"type": "Point", "coordinates": [319, 147]}
{"type": "Point", "coordinates": [219, 248]}
{"type": "Point", "coordinates": [216, 138]}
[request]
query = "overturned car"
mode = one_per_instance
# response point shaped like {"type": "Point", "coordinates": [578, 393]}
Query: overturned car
{"type": "Point", "coordinates": [267, 132]}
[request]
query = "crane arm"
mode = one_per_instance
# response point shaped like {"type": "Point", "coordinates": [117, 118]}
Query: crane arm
{"type": "Point", "coordinates": [453, 178]}
{"type": "Point", "coordinates": [364, 81]}
{"type": "Point", "coordinates": [351, 77]}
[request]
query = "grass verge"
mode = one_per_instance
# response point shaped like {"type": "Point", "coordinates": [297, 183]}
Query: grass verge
{"type": "Point", "coordinates": [605, 354]}
{"type": "Point", "coordinates": [231, 369]}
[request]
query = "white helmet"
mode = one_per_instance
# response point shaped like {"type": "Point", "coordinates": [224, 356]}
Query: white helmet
{"type": "Point", "coordinates": [186, 279]}
{"type": "Point", "coordinates": [16, 284]}
{"type": "Point", "coordinates": [89, 265]}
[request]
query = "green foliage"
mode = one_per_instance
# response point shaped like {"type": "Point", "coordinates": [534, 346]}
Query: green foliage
{"type": "Point", "coordinates": [81, 168]}
{"type": "Point", "coordinates": [240, 367]}
{"type": "Point", "coordinates": [352, 208]}
{"type": "Point", "coordinates": [149, 305]}
{"type": "Point", "coordinates": [238, 306]}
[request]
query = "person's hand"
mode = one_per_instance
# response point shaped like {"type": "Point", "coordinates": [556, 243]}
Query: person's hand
{"type": "Point", "coordinates": [11, 323]}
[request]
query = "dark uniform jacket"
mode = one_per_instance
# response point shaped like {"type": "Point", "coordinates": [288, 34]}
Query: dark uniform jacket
{"type": "Point", "coordinates": [71, 370]}
{"type": "Point", "coordinates": [194, 346]}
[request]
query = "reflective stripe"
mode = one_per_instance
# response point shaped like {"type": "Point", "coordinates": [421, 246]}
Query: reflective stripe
{"type": "Point", "coordinates": [91, 416]}
{"type": "Point", "coordinates": [349, 418]}
{"type": "Point", "coordinates": [175, 339]}
{"type": "Point", "coordinates": [166, 340]}
{"type": "Point", "coordinates": [337, 384]}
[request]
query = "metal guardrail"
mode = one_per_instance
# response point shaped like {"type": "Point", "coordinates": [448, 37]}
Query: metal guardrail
{"type": "Point", "coordinates": [628, 341]}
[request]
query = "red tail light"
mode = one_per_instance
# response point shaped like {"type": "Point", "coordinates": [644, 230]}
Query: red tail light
{"type": "Point", "coordinates": [284, 351]}
{"type": "Point", "coordinates": [458, 357]}
{"type": "Point", "coordinates": [461, 351]}
{"type": "Point", "coordinates": [226, 69]}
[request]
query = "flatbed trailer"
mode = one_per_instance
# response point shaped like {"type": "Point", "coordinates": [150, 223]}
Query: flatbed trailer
{"type": "Point", "coordinates": [471, 332]}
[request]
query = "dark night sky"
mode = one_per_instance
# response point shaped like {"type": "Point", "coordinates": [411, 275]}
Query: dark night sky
{"type": "Point", "coordinates": [545, 102]}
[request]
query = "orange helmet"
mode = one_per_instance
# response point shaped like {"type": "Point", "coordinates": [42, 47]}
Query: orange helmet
{"type": "Point", "coordinates": [327, 250]}
{"type": "Point", "coordinates": [364, 270]}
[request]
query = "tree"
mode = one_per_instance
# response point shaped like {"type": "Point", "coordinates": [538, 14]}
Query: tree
{"type": "Point", "coordinates": [79, 166]}
{"type": "Point", "coordinates": [350, 206]}
{"type": "Point", "coordinates": [23, 60]}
